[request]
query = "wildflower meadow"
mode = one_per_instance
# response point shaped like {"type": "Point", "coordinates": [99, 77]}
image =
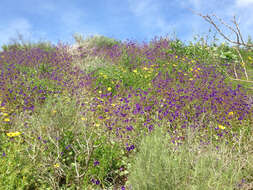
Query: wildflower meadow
{"type": "Point", "coordinates": [124, 115]}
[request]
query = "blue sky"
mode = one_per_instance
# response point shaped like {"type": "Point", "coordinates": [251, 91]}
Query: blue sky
{"type": "Point", "coordinates": [139, 20]}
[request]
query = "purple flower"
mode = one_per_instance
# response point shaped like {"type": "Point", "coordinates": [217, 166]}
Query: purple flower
{"type": "Point", "coordinates": [129, 128]}
{"type": "Point", "coordinates": [96, 163]}
{"type": "Point", "coordinates": [130, 148]}
{"type": "Point", "coordinates": [123, 114]}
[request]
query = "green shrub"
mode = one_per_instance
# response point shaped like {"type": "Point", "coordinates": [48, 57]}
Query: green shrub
{"type": "Point", "coordinates": [161, 165]}
{"type": "Point", "coordinates": [16, 171]}
{"type": "Point", "coordinates": [96, 41]}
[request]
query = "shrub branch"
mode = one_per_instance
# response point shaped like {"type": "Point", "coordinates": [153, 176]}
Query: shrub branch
{"type": "Point", "coordinates": [239, 40]}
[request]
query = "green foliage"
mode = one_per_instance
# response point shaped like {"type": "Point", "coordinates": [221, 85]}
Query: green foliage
{"type": "Point", "coordinates": [32, 76]}
{"type": "Point", "coordinates": [96, 41]}
{"type": "Point", "coordinates": [103, 42]}
{"type": "Point", "coordinates": [110, 76]}
{"type": "Point", "coordinates": [46, 46]}
{"type": "Point", "coordinates": [160, 165]}
{"type": "Point", "coordinates": [92, 64]}
{"type": "Point", "coordinates": [108, 156]}
{"type": "Point", "coordinates": [16, 172]}
{"type": "Point", "coordinates": [177, 47]}
{"type": "Point", "coordinates": [61, 138]}
{"type": "Point", "coordinates": [153, 164]}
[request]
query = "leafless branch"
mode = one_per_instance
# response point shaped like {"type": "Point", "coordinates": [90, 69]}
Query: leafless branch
{"type": "Point", "coordinates": [237, 27]}
{"type": "Point", "coordinates": [238, 34]}
{"type": "Point", "coordinates": [238, 39]}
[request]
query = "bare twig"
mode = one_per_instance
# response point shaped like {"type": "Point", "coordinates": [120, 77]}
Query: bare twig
{"type": "Point", "coordinates": [208, 19]}
{"type": "Point", "coordinates": [238, 39]}
{"type": "Point", "coordinates": [237, 27]}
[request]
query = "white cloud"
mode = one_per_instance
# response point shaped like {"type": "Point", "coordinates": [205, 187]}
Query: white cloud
{"type": "Point", "coordinates": [244, 3]}
{"type": "Point", "coordinates": [72, 21]}
{"type": "Point", "coordinates": [143, 7]}
{"type": "Point", "coordinates": [20, 26]}
{"type": "Point", "coordinates": [47, 6]}
{"type": "Point", "coordinates": [196, 4]}
{"type": "Point", "coordinates": [148, 12]}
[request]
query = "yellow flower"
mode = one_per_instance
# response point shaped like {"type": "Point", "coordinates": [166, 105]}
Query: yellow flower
{"type": "Point", "coordinates": [135, 71]}
{"type": "Point", "coordinates": [174, 65]}
{"type": "Point", "coordinates": [242, 63]}
{"type": "Point", "coordinates": [230, 113]}
{"type": "Point", "coordinates": [13, 134]}
{"type": "Point", "coordinates": [145, 68]}
{"type": "Point", "coordinates": [176, 56]}
{"type": "Point", "coordinates": [250, 58]}
{"type": "Point", "coordinates": [54, 111]}
{"type": "Point", "coordinates": [190, 79]}
{"type": "Point", "coordinates": [191, 69]}
{"type": "Point", "coordinates": [105, 76]}
{"type": "Point", "coordinates": [5, 114]}
{"type": "Point", "coordinates": [185, 74]}
{"type": "Point", "coordinates": [83, 118]}
{"type": "Point", "coordinates": [97, 125]}
{"type": "Point", "coordinates": [6, 119]}
{"type": "Point", "coordinates": [221, 127]}
{"type": "Point", "coordinates": [101, 99]}
{"type": "Point", "coordinates": [99, 91]}
{"type": "Point", "coordinates": [113, 105]}
{"type": "Point", "coordinates": [57, 165]}
{"type": "Point", "coordinates": [109, 89]}
{"type": "Point", "coordinates": [198, 69]}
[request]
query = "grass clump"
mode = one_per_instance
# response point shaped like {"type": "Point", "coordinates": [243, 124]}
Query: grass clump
{"type": "Point", "coordinates": [188, 165]}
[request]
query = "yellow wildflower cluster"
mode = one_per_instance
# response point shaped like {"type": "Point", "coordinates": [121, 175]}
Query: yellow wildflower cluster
{"type": "Point", "coordinates": [195, 70]}
{"type": "Point", "coordinates": [230, 113]}
{"type": "Point", "coordinates": [13, 134]}
{"type": "Point", "coordinates": [221, 127]}
{"type": "Point", "coordinates": [4, 113]}
{"type": "Point", "coordinates": [242, 64]}
{"type": "Point", "coordinates": [57, 165]}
